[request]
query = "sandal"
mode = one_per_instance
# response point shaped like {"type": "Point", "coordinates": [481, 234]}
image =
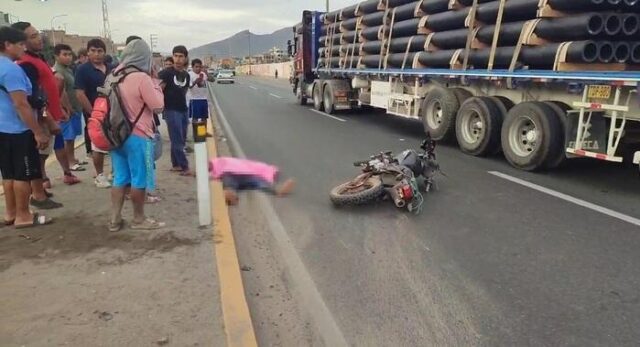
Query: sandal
{"type": "Point", "coordinates": [38, 220]}
{"type": "Point", "coordinates": [153, 199]}
{"type": "Point", "coordinates": [148, 224]}
{"type": "Point", "coordinates": [115, 227]}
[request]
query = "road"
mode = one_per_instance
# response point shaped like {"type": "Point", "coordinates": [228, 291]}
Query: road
{"type": "Point", "coordinates": [490, 261]}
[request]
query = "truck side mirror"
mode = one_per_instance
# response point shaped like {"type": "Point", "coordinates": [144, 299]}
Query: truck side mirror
{"type": "Point", "coordinates": [289, 48]}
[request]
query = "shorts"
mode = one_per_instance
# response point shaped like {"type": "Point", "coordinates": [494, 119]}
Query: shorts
{"type": "Point", "coordinates": [94, 149]}
{"type": "Point", "coordinates": [199, 109]}
{"type": "Point", "coordinates": [20, 160]}
{"type": "Point", "coordinates": [69, 131]}
{"type": "Point", "coordinates": [133, 164]}
{"type": "Point", "coordinates": [246, 182]}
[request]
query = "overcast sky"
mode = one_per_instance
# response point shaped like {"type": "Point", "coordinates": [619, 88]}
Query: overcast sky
{"type": "Point", "coordinates": [189, 22]}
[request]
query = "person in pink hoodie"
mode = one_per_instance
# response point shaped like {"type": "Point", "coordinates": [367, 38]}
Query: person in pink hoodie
{"type": "Point", "coordinates": [242, 174]}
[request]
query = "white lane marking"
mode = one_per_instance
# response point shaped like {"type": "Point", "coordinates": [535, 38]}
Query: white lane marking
{"type": "Point", "coordinates": [302, 281]}
{"type": "Point", "coordinates": [252, 87]}
{"type": "Point", "coordinates": [571, 199]}
{"type": "Point", "coordinates": [328, 115]}
{"type": "Point", "coordinates": [275, 96]}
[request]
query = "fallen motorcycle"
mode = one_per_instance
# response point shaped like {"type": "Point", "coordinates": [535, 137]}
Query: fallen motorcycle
{"type": "Point", "coordinates": [391, 177]}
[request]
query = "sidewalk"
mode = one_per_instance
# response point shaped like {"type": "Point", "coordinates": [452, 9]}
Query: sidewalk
{"type": "Point", "coordinates": [75, 284]}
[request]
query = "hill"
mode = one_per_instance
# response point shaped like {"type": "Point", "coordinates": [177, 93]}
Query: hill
{"type": "Point", "coordinates": [238, 44]}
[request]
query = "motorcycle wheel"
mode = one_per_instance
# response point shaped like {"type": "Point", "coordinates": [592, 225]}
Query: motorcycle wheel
{"type": "Point", "coordinates": [369, 191]}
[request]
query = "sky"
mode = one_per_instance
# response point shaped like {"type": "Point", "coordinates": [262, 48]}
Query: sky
{"type": "Point", "coordinates": [189, 22]}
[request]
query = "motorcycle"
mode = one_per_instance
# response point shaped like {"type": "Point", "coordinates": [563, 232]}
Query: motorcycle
{"type": "Point", "coordinates": [391, 177]}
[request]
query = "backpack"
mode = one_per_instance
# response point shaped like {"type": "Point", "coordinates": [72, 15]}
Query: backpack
{"type": "Point", "coordinates": [110, 126]}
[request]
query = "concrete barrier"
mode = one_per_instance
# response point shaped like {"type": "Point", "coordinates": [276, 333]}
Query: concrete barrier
{"type": "Point", "coordinates": [267, 70]}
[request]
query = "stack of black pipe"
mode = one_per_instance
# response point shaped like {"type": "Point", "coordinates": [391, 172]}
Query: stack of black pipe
{"type": "Point", "coordinates": [432, 33]}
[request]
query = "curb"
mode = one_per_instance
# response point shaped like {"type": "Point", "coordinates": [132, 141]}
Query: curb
{"type": "Point", "coordinates": [238, 326]}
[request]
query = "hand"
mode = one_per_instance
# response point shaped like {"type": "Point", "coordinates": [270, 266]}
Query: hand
{"type": "Point", "coordinates": [42, 140]}
{"type": "Point", "coordinates": [54, 127]}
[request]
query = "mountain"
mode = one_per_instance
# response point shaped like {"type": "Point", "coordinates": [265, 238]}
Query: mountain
{"type": "Point", "coordinates": [238, 44]}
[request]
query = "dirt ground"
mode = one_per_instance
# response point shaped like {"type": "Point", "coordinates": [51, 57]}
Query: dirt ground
{"type": "Point", "coordinates": [75, 284]}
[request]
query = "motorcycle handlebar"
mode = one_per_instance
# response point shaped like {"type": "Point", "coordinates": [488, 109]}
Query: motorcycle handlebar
{"type": "Point", "coordinates": [360, 163]}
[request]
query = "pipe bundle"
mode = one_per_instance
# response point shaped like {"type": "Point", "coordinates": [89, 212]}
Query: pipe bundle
{"type": "Point", "coordinates": [440, 34]}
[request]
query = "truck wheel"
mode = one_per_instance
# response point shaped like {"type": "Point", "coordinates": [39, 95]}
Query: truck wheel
{"type": "Point", "coordinates": [438, 111]}
{"type": "Point", "coordinates": [318, 105]}
{"type": "Point", "coordinates": [559, 154]}
{"type": "Point", "coordinates": [461, 94]}
{"type": "Point", "coordinates": [529, 134]}
{"type": "Point", "coordinates": [504, 105]}
{"type": "Point", "coordinates": [302, 99]}
{"type": "Point", "coordinates": [478, 126]}
{"type": "Point", "coordinates": [328, 99]}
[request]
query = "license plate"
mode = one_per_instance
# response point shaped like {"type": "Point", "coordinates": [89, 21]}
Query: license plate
{"type": "Point", "coordinates": [599, 92]}
{"type": "Point", "coordinates": [342, 99]}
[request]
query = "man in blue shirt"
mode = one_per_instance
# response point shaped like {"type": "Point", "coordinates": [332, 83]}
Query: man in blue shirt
{"type": "Point", "coordinates": [90, 76]}
{"type": "Point", "coordinates": [20, 135]}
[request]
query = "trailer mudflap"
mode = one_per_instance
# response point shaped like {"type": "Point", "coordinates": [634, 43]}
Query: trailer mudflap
{"type": "Point", "coordinates": [595, 136]}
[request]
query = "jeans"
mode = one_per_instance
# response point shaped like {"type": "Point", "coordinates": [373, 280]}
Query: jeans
{"type": "Point", "coordinates": [246, 182]}
{"type": "Point", "coordinates": [185, 126]}
{"type": "Point", "coordinates": [176, 121]}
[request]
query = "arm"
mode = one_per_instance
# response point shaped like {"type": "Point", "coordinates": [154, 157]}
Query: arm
{"type": "Point", "coordinates": [163, 76]}
{"type": "Point", "coordinates": [152, 95]}
{"type": "Point", "coordinates": [50, 88]}
{"type": "Point", "coordinates": [25, 112]}
{"type": "Point", "coordinates": [84, 101]}
{"type": "Point", "coordinates": [64, 97]}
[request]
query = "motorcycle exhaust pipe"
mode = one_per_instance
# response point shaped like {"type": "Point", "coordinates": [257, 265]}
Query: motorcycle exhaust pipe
{"type": "Point", "coordinates": [606, 52]}
{"type": "Point", "coordinates": [622, 52]}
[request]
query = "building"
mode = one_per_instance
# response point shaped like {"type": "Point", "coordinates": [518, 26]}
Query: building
{"type": "Point", "coordinates": [77, 41]}
{"type": "Point", "coordinates": [5, 19]}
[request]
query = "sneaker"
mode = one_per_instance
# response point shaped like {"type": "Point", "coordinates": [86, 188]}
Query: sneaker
{"type": "Point", "coordinates": [46, 204]}
{"type": "Point", "coordinates": [101, 181]}
{"type": "Point", "coordinates": [70, 179]}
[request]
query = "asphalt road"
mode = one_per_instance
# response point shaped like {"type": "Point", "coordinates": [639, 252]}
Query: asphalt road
{"type": "Point", "coordinates": [488, 262]}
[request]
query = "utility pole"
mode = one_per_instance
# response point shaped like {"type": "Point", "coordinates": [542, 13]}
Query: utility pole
{"type": "Point", "coordinates": [250, 56]}
{"type": "Point", "coordinates": [105, 20]}
{"type": "Point", "coordinates": [327, 6]}
{"type": "Point", "coordinates": [153, 41]}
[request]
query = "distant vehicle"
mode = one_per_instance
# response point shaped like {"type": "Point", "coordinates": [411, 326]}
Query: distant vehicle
{"type": "Point", "coordinates": [211, 74]}
{"type": "Point", "coordinates": [225, 76]}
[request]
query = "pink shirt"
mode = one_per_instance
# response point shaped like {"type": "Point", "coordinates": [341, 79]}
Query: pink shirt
{"type": "Point", "coordinates": [235, 166]}
{"type": "Point", "coordinates": [137, 90]}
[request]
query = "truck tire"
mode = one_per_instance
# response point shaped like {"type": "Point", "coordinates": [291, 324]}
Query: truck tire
{"type": "Point", "coordinates": [529, 134]}
{"type": "Point", "coordinates": [373, 190]}
{"type": "Point", "coordinates": [438, 111]}
{"type": "Point", "coordinates": [478, 126]}
{"type": "Point", "coordinates": [328, 99]}
{"type": "Point", "coordinates": [318, 105]}
{"type": "Point", "coordinates": [461, 94]}
{"type": "Point", "coordinates": [559, 155]}
{"type": "Point", "coordinates": [302, 99]}
{"type": "Point", "coordinates": [504, 105]}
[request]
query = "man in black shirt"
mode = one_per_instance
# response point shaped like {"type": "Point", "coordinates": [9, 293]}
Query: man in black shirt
{"type": "Point", "coordinates": [175, 83]}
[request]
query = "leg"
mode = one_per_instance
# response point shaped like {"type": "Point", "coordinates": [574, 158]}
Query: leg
{"type": "Point", "coordinates": [10, 210]}
{"type": "Point", "coordinates": [70, 150]}
{"type": "Point", "coordinates": [117, 202]}
{"type": "Point", "coordinates": [174, 135]}
{"type": "Point", "coordinates": [138, 197]}
{"type": "Point", "coordinates": [140, 159]}
{"type": "Point", "coordinates": [231, 184]}
{"type": "Point", "coordinates": [22, 191]}
{"type": "Point", "coordinates": [121, 181]}
{"type": "Point", "coordinates": [87, 139]}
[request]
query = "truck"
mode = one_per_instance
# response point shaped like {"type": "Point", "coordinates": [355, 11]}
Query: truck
{"type": "Point", "coordinates": [537, 118]}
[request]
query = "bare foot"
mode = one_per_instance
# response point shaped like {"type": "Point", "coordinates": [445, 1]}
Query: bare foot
{"type": "Point", "coordinates": [231, 197]}
{"type": "Point", "coordinates": [286, 188]}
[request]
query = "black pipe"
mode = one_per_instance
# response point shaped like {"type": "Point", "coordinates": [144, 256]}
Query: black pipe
{"type": "Point", "coordinates": [374, 19]}
{"type": "Point", "coordinates": [332, 17]}
{"type": "Point", "coordinates": [437, 59]}
{"type": "Point", "coordinates": [351, 49]}
{"type": "Point", "coordinates": [630, 25]}
{"type": "Point", "coordinates": [545, 56]}
{"type": "Point", "coordinates": [351, 36]}
{"type": "Point", "coordinates": [447, 20]}
{"type": "Point", "coordinates": [579, 27]}
{"type": "Point", "coordinates": [372, 61]}
{"type": "Point", "coordinates": [584, 5]}
{"type": "Point", "coordinates": [372, 47]}
{"type": "Point", "coordinates": [435, 6]}
{"type": "Point", "coordinates": [399, 45]}
{"type": "Point", "coordinates": [614, 2]}
{"type": "Point", "coordinates": [479, 58]}
{"type": "Point", "coordinates": [509, 34]}
{"type": "Point", "coordinates": [393, 60]}
{"type": "Point", "coordinates": [470, 2]}
{"type": "Point", "coordinates": [325, 28]}
{"type": "Point", "coordinates": [397, 3]}
{"type": "Point", "coordinates": [635, 53]}
{"type": "Point", "coordinates": [514, 10]}
{"type": "Point", "coordinates": [622, 51]}
{"type": "Point", "coordinates": [405, 12]}
{"type": "Point", "coordinates": [349, 12]}
{"type": "Point", "coordinates": [607, 52]}
{"type": "Point", "coordinates": [369, 6]}
{"type": "Point", "coordinates": [331, 62]}
{"type": "Point", "coordinates": [372, 34]}
{"type": "Point", "coordinates": [406, 28]}
{"type": "Point", "coordinates": [350, 24]}
{"type": "Point", "coordinates": [336, 40]}
{"type": "Point", "coordinates": [612, 24]}
{"type": "Point", "coordinates": [450, 39]}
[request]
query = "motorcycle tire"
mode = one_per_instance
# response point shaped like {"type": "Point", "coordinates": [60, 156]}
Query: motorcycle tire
{"type": "Point", "coordinates": [374, 189]}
